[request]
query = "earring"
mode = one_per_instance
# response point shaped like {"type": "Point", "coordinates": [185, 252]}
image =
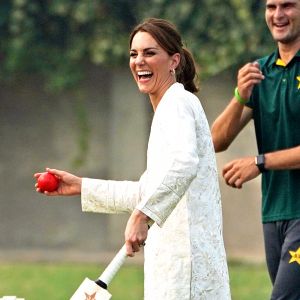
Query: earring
{"type": "Point", "coordinates": [172, 71]}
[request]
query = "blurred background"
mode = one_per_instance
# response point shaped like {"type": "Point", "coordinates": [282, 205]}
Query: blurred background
{"type": "Point", "coordinates": [68, 101]}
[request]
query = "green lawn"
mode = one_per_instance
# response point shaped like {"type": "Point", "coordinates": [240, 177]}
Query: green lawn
{"type": "Point", "coordinates": [249, 281]}
{"type": "Point", "coordinates": [59, 281]}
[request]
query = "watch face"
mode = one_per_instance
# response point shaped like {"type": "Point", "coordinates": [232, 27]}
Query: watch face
{"type": "Point", "coordinates": [260, 162]}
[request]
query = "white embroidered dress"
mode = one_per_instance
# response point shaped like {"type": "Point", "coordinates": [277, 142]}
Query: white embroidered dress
{"type": "Point", "coordinates": [184, 253]}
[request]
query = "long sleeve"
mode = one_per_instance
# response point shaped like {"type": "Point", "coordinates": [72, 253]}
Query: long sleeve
{"type": "Point", "coordinates": [108, 196]}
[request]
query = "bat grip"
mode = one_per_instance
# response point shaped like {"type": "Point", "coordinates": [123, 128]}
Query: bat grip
{"type": "Point", "coordinates": [113, 267]}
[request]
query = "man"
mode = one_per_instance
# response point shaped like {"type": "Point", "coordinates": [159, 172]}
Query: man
{"type": "Point", "coordinates": [268, 91]}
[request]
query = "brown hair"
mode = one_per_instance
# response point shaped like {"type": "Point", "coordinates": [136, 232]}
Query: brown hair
{"type": "Point", "coordinates": [167, 36]}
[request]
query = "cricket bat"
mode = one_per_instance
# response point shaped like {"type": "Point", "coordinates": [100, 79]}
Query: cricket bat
{"type": "Point", "coordinates": [97, 290]}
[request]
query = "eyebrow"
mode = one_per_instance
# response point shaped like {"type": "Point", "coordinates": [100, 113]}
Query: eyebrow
{"type": "Point", "coordinates": [146, 49]}
{"type": "Point", "coordinates": [287, 2]}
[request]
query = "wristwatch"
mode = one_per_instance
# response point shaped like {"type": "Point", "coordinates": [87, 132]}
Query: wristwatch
{"type": "Point", "coordinates": [260, 162]}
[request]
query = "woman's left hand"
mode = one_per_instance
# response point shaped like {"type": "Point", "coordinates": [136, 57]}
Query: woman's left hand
{"type": "Point", "coordinates": [136, 232]}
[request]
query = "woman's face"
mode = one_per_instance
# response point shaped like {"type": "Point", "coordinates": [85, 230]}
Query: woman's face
{"type": "Point", "coordinates": [151, 65]}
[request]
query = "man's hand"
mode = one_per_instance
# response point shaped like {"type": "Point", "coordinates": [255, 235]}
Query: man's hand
{"type": "Point", "coordinates": [248, 76]}
{"type": "Point", "coordinates": [240, 171]}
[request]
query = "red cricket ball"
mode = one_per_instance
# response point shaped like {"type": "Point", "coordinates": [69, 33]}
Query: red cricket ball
{"type": "Point", "coordinates": [47, 182]}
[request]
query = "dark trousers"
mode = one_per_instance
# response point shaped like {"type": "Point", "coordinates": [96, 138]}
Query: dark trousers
{"type": "Point", "coordinates": [282, 246]}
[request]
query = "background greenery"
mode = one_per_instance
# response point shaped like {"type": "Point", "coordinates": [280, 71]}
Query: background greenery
{"type": "Point", "coordinates": [60, 281]}
{"type": "Point", "coordinates": [56, 39]}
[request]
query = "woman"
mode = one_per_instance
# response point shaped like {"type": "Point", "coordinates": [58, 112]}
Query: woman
{"type": "Point", "coordinates": [179, 191]}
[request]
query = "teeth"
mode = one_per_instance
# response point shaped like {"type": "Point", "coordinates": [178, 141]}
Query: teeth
{"type": "Point", "coordinates": [280, 24]}
{"type": "Point", "coordinates": [143, 73]}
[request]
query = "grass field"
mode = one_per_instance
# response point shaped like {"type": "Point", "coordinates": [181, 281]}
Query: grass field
{"type": "Point", "coordinates": [59, 281]}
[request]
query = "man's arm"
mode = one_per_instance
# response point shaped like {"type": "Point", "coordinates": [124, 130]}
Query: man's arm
{"type": "Point", "coordinates": [287, 159]}
{"type": "Point", "coordinates": [241, 170]}
{"type": "Point", "coordinates": [232, 120]}
{"type": "Point", "coordinates": [229, 124]}
{"type": "Point", "coordinates": [235, 116]}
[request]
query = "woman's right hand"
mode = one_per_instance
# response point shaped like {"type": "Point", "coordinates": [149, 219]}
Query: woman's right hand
{"type": "Point", "coordinates": [69, 184]}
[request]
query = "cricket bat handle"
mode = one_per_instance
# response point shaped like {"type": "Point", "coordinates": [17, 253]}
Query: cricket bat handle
{"type": "Point", "coordinates": [113, 266]}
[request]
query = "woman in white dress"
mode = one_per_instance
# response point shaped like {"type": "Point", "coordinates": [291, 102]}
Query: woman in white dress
{"type": "Point", "coordinates": [179, 191]}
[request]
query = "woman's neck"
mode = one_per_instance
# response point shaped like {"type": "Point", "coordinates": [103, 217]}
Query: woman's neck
{"type": "Point", "coordinates": [155, 98]}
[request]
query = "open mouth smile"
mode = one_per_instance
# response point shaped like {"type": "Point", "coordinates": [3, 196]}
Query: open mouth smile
{"type": "Point", "coordinates": [144, 75]}
{"type": "Point", "coordinates": [281, 25]}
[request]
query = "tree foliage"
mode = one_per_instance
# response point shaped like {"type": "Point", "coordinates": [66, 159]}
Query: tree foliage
{"type": "Point", "coordinates": [57, 38]}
